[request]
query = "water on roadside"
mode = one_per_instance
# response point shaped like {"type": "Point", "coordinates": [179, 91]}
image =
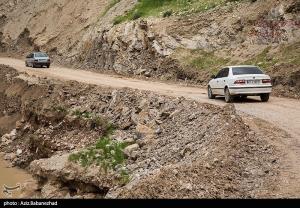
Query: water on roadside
{"type": "Point", "coordinates": [11, 180]}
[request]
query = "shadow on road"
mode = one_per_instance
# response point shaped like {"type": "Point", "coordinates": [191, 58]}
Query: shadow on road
{"type": "Point", "coordinates": [241, 100]}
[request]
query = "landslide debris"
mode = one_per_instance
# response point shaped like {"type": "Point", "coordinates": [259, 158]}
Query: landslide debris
{"type": "Point", "coordinates": [177, 148]}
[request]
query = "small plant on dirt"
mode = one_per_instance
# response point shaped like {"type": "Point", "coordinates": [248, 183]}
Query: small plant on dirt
{"type": "Point", "coordinates": [286, 54]}
{"type": "Point", "coordinates": [103, 123]}
{"type": "Point", "coordinates": [125, 177]}
{"type": "Point", "coordinates": [60, 109]}
{"type": "Point", "coordinates": [136, 15]}
{"type": "Point", "coordinates": [207, 60]}
{"type": "Point", "coordinates": [167, 13]}
{"type": "Point", "coordinates": [200, 60]}
{"type": "Point", "coordinates": [108, 128]}
{"type": "Point", "coordinates": [80, 114]}
{"type": "Point", "coordinates": [107, 154]}
{"type": "Point", "coordinates": [118, 20]}
{"type": "Point", "coordinates": [110, 5]}
{"type": "Point", "coordinates": [77, 113]}
{"type": "Point", "coordinates": [261, 59]}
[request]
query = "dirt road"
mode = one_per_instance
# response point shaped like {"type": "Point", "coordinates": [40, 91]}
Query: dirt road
{"type": "Point", "coordinates": [281, 112]}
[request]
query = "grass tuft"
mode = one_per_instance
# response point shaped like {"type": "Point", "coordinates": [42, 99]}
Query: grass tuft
{"type": "Point", "coordinates": [286, 54]}
{"type": "Point", "coordinates": [60, 109]}
{"type": "Point", "coordinates": [80, 114]}
{"type": "Point", "coordinates": [109, 6]}
{"type": "Point", "coordinates": [107, 154]}
{"type": "Point", "coordinates": [207, 61]}
{"type": "Point", "coordinates": [165, 8]}
{"type": "Point", "coordinates": [199, 60]}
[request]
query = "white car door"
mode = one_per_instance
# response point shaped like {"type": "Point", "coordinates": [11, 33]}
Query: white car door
{"type": "Point", "coordinates": [216, 86]}
{"type": "Point", "coordinates": [213, 84]}
{"type": "Point", "coordinates": [222, 81]}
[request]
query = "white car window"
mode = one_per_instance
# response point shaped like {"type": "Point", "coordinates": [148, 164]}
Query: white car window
{"type": "Point", "coordinates": [246, 70]}
{"type": "Point", "coordinates": [220, 74]}
{"type": "Point", "coordinates": [226, 72]}
{"type": "Point", "coordinates": [223, 73]}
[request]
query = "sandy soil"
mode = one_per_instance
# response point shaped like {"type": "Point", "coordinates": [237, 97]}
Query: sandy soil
{"type": "Point", "coordinates": [282, 113]}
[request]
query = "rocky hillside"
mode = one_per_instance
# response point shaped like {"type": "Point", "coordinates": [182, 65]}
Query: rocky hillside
{"type": "Point", "coordinates": [83, 141]}
{"type": "Point", "coordinates": [59, 27]}
{"type": "Point", "coordinates": [168, 40]}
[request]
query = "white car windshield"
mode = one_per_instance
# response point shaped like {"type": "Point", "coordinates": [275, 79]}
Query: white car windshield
{"type": "Point", "coordinates": [41, 55]}
{"type": "Point", "coordinates": [246, 70]}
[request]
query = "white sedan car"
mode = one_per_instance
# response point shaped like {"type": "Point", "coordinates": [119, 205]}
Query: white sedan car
{"type": "Point", "coordinates": [240, 81]}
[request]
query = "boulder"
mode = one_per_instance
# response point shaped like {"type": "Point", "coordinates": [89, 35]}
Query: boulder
{"type": "Point", "coordinates": [144, 130]}
{"type": "Point", "coordinates": [128, 151]}
{"type": "Point", "coordinates": [129, 141]}
{"type": "Point", "coordinates": [19, 152]}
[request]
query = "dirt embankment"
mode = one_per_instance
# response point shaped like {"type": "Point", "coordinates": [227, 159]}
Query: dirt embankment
{"type": "Point", "coordinates": [178, 148]}
{"type": "Point", "coordinates": [59, 27]}
{"type": "Point", "coordinates": [264, 33]}
{"type": "Point", "coordinates": [190, 47]}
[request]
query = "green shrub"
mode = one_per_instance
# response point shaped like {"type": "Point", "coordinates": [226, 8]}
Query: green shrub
{"type": "Point", "coordinates": [118, 20]}
{"type": "Point", "coordinates": [286, 54]}
{"type": "Point", "coordinates": [106, 153]}
{"type": "Point", "coordinates": [261, 59]}
{"type": "Point", "coordinates": [207, 60]}
{"type": "Point", "coordinates": [167, 13]}
{"type": "Point", "coordinates": [60, 109]}
{"type": "Point", "coordinates": [125, 177]}
{"type": "Point", "coordinates": [80, 114]}
{"type": "Point", "coordinates": [146, 8]}
{"type": "Point", "coordinates": [136, 15]}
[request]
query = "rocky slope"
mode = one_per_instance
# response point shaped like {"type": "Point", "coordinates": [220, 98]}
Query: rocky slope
{"type": "Point", "coordinates": [188, 46]}
{"type": "Point", "coordinates": [177, 148]}
{"type": "Point", "coordinates": [58, 27]}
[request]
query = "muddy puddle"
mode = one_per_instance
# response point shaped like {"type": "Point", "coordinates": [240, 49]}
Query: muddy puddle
{"type": "Point", "coordinates": [12, 180]}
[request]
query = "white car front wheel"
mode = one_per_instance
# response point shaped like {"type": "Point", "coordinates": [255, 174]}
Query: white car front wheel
{"type": "Point", "coordinates": [210, 93]}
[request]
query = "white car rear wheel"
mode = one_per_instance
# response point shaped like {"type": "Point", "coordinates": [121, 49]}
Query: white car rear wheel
{"type": "Point", "coordinates": [265, 97]}
{"type": "Point", "coordinates": [228, 97]}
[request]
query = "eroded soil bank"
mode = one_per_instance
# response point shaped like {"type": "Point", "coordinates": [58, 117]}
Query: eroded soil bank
{"type": "Point", "coordinates": [176, 148]}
